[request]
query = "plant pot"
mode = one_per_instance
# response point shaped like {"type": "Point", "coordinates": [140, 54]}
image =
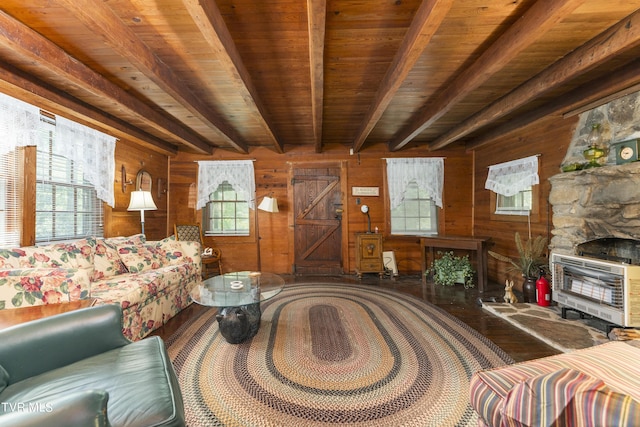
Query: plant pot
{"type": "Point", "coordinates": [460, 277]}
{"type": "Point", "coordinates": [529, 289]}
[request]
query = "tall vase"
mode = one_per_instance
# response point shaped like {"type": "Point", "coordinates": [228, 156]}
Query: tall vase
{"type": "Point", "coordinates": [529, 289]}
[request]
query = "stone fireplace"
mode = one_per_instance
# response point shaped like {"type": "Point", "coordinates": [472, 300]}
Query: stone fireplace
{"type": "Point", "coordinates": [601, 202]}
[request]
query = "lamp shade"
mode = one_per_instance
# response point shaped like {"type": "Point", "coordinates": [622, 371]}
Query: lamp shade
{"type": "Point", "coordinates": [141, 201]}
{"type": "Point", "coordinates": [269, 204]}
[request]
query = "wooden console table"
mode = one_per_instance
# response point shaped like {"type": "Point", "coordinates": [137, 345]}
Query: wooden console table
{"type": "Point", "coordinates": [477, 246]}
{"type": "Point", "coordinates": [15, 316]}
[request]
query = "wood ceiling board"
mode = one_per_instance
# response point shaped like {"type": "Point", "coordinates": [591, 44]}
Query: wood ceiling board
{"type": "Point", "coordinates": [272, 39]}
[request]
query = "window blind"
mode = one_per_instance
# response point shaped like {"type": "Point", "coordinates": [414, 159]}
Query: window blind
{"type": "Point", "coordinates": [67, 206]}
{"type": "Point", "coordinates": [11, 196]}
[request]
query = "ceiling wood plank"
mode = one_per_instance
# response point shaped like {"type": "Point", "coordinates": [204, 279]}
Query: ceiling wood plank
{"type": "Point", "coordinates": [426, 22]}
{"type": "Point", "coordinates": [102, 21]}
{"type": "Point", "coordinates": [316, 17]}
{"type": "Point", "coordinates": [617, 39]}
{"type": "Point", "coordinates": [536, 21]}
{"type": "Point", "coordinates": [621, 82]}
{"type": "Point", "coordinates": [32, 45]}
{"type": "Point", "coordinates": [28, 89]}
{"type": "Point", "coordinates": [209, 20]}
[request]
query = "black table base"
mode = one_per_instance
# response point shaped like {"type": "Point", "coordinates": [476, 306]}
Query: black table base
{"type": "Point", "coordinates": [238, 324]}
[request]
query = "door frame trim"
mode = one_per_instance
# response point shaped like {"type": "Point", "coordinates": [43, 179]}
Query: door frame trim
{"type": "Point", "coordinates": [342, 164]}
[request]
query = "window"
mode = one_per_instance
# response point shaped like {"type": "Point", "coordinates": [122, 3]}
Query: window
{"type": "Point", "coordinates": [226, 213]}
{"type": "Point", "coordinates": [518, 204]}
{"type": "Point", "coordinates": [11, 191]}
{"type": "Point", "coordinates": [513, 187]}
{"type": "Point", "coordinates": [417, 214]}
{"type": "Point", "coordinates": [66, 203]}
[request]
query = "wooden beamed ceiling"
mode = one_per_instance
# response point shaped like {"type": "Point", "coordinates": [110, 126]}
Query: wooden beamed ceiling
{"type": "Point", "coordinates": [201, 75]}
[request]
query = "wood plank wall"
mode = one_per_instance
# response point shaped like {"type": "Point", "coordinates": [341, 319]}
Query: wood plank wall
{"type": "Point", "coordinates": [467, 205]}
{"type": "Point", "coordinates": [549, 138]}
{"type": "Point", "coordinates": [119, 221]}
{"type": "Point", "coordinates": [363, 170]}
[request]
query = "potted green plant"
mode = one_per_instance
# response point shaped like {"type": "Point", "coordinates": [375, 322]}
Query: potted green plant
{"type": "Point", "coordinates": [450, 269]}
{"type": "Point", "coordinates": [531, 260]}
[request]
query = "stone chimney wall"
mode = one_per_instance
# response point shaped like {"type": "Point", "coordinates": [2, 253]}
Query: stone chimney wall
{"type": "Point", "coordinates": [604, 201]}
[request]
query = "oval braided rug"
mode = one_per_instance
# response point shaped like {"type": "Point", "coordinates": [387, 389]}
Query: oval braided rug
{"type": "Point", "coordinates": [330, 354]}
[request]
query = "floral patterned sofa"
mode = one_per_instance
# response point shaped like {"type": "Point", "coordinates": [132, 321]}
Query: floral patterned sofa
{"type": "Point", "coordinates": [150, 280]}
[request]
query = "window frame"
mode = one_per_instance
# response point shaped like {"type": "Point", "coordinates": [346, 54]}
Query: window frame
{"type": "Point", "coordinates": [207, 218]}
{"type": "Point", "coordinates": [516, 210]}
{"type": "Point", "coordinates": [534, 213]}
{"type": "Point", "coordinates": [434, 209]}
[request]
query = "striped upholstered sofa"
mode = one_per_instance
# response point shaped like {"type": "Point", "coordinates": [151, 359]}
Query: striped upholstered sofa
{"type": "Point", "coordinates": [596, 386]}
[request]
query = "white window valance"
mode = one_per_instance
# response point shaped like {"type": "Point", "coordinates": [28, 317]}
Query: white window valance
{"type": "Point", "coordinates": [427, 172]}
{"type": "Point", "coordinates": [238, 173]}
{"type": "Point", "coordinates": [512, 177]}
{"type": "Point", "coordinates": [19, 124]}
{"type": "Point", "coordinates": [94, 150]}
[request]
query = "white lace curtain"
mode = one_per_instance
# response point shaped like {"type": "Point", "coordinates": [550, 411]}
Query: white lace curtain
{"type": "Point", "coordinates": [238, 173]}
{"type": "Point", "coordinates": [94, 150]}
{"type": "Point", "coordinates": [19, 124]}
{"type": "Point", "coordinates": [428, 173]}
{"type": "Point", "coordinates": [512, 177]}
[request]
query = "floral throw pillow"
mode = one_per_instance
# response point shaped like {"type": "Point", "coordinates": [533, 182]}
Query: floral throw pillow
{"type": "Point", "coordinates": [170, 250]}
{"type": "Point", "coordinates": [107, 262]}
{"type": "Point", "coordinates": [76, 254]}
{"type": "Point", "coordinates": [140, 258]}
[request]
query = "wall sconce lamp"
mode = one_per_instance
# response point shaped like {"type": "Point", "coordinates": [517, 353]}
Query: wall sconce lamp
{"type": "Point", "coordinates": [365, 210]}
{"type": "Point", "coordinates": [141, 201]}
{"type": "Point", "coordinates": [123, 179]}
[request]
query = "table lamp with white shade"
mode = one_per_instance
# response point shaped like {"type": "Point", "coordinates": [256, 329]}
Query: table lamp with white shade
{"type": "Point", "coordinates": [141, 201]}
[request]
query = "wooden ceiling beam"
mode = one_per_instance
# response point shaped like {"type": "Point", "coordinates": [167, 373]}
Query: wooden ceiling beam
{"type": "Point", "coordinates": [20, 85]}
{"type": "Point", "coordinates": [425, 23]}
{"type": "Point", "coordinates": [621, 82]}
{"type": "Point", "coordinates": [613, 41]}
{"type": "Point", "coordinates": [102, 21]}
{"type": "Point", "coordinates": [535, 22]}
{"type": "Point", "coordinates": [28, 43]}
{"type": "Point", "coordinates": [209, 20]}
{"type": "Point", "coordinates": [316, 19]}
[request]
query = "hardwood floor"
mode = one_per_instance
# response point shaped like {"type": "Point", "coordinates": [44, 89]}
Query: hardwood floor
{"type": "Point", "coordinates": [459, 302]}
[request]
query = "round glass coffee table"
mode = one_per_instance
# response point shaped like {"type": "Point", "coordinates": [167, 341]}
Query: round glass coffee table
{"type": "Point", "coordinates": [237, 297]}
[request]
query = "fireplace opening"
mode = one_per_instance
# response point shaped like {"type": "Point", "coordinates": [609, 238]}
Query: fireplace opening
{"type": "Point", "coordinates": [626, 251]}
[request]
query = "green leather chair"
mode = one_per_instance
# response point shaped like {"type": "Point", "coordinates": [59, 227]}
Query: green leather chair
{"type": "Point", "coordinates": [77, 369]}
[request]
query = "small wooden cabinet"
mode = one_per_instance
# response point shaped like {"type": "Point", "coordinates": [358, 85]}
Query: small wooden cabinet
{"type": "Point", "coordinates": [369, 254]}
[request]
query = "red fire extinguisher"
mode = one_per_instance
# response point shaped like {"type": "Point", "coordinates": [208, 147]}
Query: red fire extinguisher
{"type": "Point", "coordinates": [544, 291]}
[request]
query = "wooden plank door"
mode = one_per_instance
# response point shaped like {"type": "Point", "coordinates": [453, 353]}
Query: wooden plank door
{"type": "Point", "coordinates": [317, 211]}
